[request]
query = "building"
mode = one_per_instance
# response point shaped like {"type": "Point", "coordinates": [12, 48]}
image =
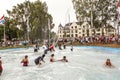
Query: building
{"type": "Point", "coordinates": [77, 29]}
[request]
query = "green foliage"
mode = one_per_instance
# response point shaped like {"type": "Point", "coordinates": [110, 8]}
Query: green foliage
{"type": "Point", "coordinates": [104, 11]}
{"type": "Point", "coordinates": [10, 29]}
{"type": "Point", "coordinates": [32, 17]}
{"type": "Point", "coordinates": [1, 31]}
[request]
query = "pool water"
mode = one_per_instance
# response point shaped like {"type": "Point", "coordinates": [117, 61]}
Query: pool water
{"type": "Point", "coordinates": [85, 63]}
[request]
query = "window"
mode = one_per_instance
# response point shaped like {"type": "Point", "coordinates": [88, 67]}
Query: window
{"type": "Point", "coordinates": [72, 35]}
{"type": "Point", "coordinates": [75, 31]}
{"type": "Point", "coordinates": [83, 26]}
{"type": "Point", "coordinates": [83, 34]}
{"type": "Point", "coordinates": [68, 35]}
{"type": "Point", "coordinates": [68, 31]}
{"type": "Point", "coordinates": [76, 35]}
{"type": "Point", "coordinates": [75, 26]}
{"type": "Point", "coordinates": [72, 27]}
{"type": "Point", "coordinates": [83, 31]}
{"type": "Point", "coordinates": [98, 33]}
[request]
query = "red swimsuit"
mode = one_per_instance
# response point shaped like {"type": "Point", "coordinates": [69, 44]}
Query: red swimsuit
{"type": "Point", "coordinates": [51, 59]}
{"type": "Point", "coordinates": [25, 63]}
{"type": "Point", "coordinates": [1, 65]}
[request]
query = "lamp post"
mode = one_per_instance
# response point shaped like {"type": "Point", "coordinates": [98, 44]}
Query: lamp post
{"type": "Point", "coordinates": [28, 26]}
{"type": "Point", "coordinates": [4, 36]}
{"type": "Point", "coordinates": [91, 21]}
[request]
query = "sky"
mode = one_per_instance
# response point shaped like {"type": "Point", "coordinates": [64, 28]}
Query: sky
{"type": "Point", "coordinates": [61, 10]}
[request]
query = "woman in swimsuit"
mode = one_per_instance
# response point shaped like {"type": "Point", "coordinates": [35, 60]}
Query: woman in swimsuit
{"type": "Point", "coordinates": [25, 61]}
{"type": "Point", "coordinates": [52, 58]}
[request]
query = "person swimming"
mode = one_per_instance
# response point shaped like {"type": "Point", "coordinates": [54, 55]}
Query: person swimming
{"type": "Point", "coordinates": [25, 61]}
{"type": "Point", "coordinates": [63, 59]}
{"type": "Point", "coordinates": [39, 59]}
{"type": "Point", "coordinates": [108, 63]}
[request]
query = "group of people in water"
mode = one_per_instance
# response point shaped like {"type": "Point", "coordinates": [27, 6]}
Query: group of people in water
{"type": "Point", "coordinates": [40, 59]}
{"type": "Point", "coordinates": [47, 48]}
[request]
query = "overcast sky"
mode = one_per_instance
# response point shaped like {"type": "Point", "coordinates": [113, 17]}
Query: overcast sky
{"type": "Point", "coordinates": [59, 9]}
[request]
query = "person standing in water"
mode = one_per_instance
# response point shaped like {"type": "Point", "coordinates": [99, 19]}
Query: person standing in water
{"type": "Point", "coordinates": [64, 45]}
{"type": "Point", "coordinates": [71, 48]}
{"type": "Point", "coordinates": [36, 47]}
{"type": "Point", "coordinates": [25, 61]}
{"type": "Point", "coordinates": [59, 45]}
{"type": "Point", "coordinates": [1, 68]}
{"type": "Point", "coordinates": [51, 48]}
{"type": "Point", "coordinates": [71, 43]}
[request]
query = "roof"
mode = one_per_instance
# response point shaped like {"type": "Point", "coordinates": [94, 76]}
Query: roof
{"type": "Point", "coordinates": [69, 24]}
{"type": "Point", "coordinates": [66, 28]}
{"type": "Point", "coordinates": [79, 23]}
{"type": "Point", "coordinates": [60, 25]}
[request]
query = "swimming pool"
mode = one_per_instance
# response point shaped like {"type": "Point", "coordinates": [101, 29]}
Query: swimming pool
{"type": "Point", "coordinates": [85, 63]}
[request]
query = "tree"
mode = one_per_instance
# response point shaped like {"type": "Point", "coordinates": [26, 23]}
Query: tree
{"type": "Point", "coordinates": [32, 17]}
{"type": "Point", "coordinates": [103, 11]}
{"type": "Point", "coordinates": [107, 13]}
{"type": "Point", "coordinates": [10, 30]}
{"type": "Point", "coordinates": [82, 9]}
